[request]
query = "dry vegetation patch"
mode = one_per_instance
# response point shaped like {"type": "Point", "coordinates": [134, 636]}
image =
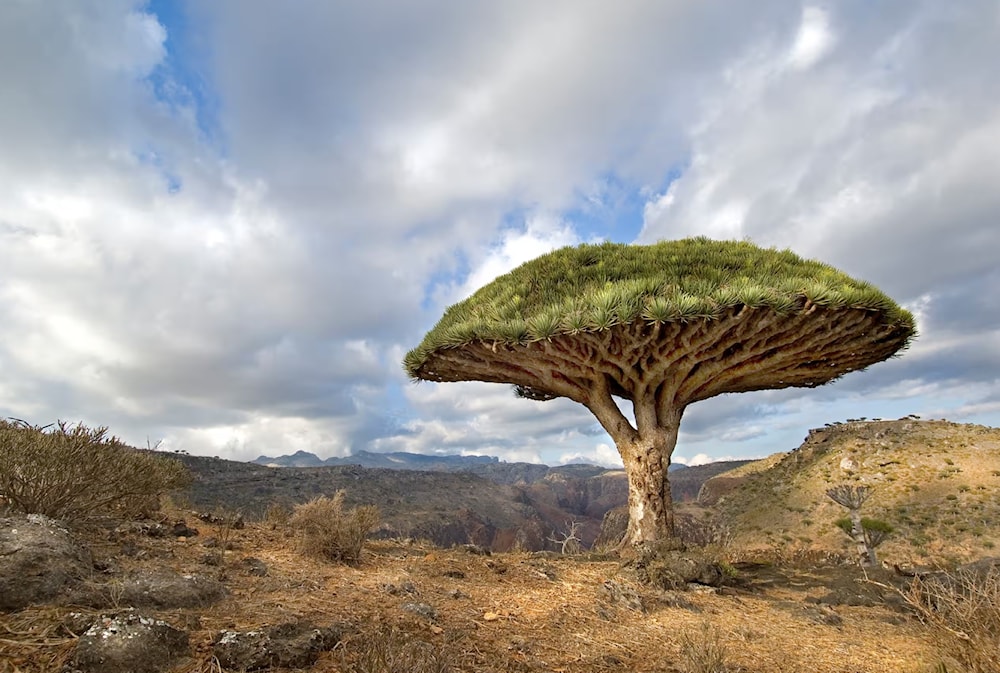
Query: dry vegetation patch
{"type": "Point", "coordinates": [502, 612]}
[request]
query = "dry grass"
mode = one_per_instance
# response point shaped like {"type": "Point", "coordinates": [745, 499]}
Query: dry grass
{"type": "Point", "coordinates": [963, 609]}
{"type": "Point", "coordinates": [330, 531]}
{"type": "Point", "coordinates": [506, 612]}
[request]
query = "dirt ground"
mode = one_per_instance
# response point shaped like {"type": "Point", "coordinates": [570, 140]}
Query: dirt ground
{"type": "Point", "coordinates": [463, 611]}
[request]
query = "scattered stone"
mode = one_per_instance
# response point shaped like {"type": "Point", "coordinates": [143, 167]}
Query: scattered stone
{"type": "Point", "coordinates": [144, 528]}
{"type": "Point", "coordinates": [403, 587]}
{"type": "Point", "coordinates": [456, 594]}
{"type": "Point", "coordinates": [822, 614]}
{"type": "Point", "coordinates": [254, 566]}
{"type": "Point", "coordinates": [624, 595]}
{"type": "Point", "coordinates": [38, 560]}
{"type": "Point", "coordinates": [129, 642]}
{"type": "Point", "coordinates": [497, 567]}
{"type": "Point", "coordinates": [476, 549]}
{"type": "Point", "coordinates": [181, 529]}
{"type": "Point", "coordinates": [422, 609]}
{"type": "Point", "coordinates": [236, 523]}
{"type": "Point", "coordinates": [292, 645]}
{"type": "Point", "coordinates": [454, 574]}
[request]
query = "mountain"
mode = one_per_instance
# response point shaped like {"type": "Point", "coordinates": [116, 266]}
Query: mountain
{"type": "Point", "coordinates": [398, 460]}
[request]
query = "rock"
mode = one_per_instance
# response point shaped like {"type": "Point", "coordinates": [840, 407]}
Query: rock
{"type": "Point", "coordinates": [624, 595]}
{"type": "Point", "coordinates": [254, 566]}
{"type": "Point", "coordinates": [422, 609]}
{"type": "Point", "coordinates": [181, 529]}
{"type": "Point", "coordinates": [129, 642]}
{"type": "Point", "coordinates": [821, 614]}
{"type": "Point", "coordinates": [38, 560]}
{"type": "Point", "coordinates": [144, 528]}
{"type": "Point", "coordinates": [399, 587]}
{"type": "Point", "coordinates": [674, 570]}
{"type": "Point", "coordinates": [292, 645]}
{"type": "Point", "coordinates": [847, 464]}
{"type": "Point", "coordinates": [613, 527]}
{"type": "Point", "coordinates": [164, 589]}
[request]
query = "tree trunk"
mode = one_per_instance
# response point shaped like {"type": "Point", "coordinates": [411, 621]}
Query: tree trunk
{"type": "Point", "coordinates": [866, 555]}
{"type": "Point", "coordinates": [650, 506]}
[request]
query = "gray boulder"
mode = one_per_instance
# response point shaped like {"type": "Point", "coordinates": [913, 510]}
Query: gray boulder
{"type": "Point", "coordinates": [293, 645]}
{"type": "Point", "coordinates": [129, 642]}
{"type": "Point", "coordinates": [38, 560]}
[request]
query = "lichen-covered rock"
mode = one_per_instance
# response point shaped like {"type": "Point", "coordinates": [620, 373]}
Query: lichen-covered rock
{"type": "Point", "coordinates": [673, 570]}
{"type": "Point", "coordinates": [38, 560]}
{"type": "Point", "coordinates": [129, 642]}
{"type": "Point", "coordinates": [167, 589]}
{"type": "Point", "coordinates": [292, 645]}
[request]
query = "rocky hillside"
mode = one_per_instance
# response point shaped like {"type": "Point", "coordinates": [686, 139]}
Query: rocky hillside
{"type": "Point", "coordinates": [508, 505]}
{"type": "Point", "coordinates": [936, 482]}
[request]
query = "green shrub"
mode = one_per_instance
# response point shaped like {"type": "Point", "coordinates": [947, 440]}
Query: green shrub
{"type": "Point", "coordinates": [329, 531]}
{"type": "Point", "coordinates": [75, 472]}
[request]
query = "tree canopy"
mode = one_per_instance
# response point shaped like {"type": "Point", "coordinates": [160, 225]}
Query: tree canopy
{"type": "Point", "coordinates": [592, 289]}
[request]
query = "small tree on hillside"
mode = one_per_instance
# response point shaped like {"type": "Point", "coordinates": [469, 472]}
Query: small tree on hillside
{"type": "Point", "coordinates": [661, 326]}
{"type": "Point", "coordinates": [866, 533]}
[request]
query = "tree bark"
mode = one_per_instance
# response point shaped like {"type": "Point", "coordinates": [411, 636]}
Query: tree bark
{"type": "Point", "coordinates": [866, 554]}
{"type": "Point", "coordinates": [647, 460]}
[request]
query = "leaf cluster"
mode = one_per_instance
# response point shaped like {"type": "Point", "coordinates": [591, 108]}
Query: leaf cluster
{"type": "Point", "coordinates": [73, 472]}
{"type": "Point", "coordinates": [875, 531]}
{"type": "Point", "coordinates": [594, 287]}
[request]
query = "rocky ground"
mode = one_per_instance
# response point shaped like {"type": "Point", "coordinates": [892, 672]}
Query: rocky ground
{"type": "Point", "coordinates": [203, 596]}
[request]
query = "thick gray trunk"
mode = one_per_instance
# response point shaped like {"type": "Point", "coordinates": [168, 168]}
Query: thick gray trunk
{"type": "Point", "coordinates": [650, 506]}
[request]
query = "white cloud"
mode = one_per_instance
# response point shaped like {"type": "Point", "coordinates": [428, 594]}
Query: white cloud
{"type": "Point", "coordinates": [541, 234]}
{"type": "Point", "coordinates": [814, 40]}
{"type": "Point", "coordinates": [232, 248]}
{"type": "Point", "coordinates": [602, 454]}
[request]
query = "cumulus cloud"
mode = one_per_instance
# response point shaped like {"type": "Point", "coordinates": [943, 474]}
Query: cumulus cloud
{"type": "Point", "coordinates": [224, 230]}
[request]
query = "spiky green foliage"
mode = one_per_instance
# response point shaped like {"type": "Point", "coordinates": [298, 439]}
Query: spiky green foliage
{"type": "Point", "coordinates": [592, 288]}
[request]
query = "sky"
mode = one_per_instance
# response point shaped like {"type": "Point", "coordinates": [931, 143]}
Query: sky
{"type": "Point", "coordinates": [224, 222]}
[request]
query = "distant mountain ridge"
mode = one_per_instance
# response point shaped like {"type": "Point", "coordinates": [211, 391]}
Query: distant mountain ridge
{"type": "Point", "coordinates": [488, 467]}
{"type": "Point", "coordinates": [397, 460]}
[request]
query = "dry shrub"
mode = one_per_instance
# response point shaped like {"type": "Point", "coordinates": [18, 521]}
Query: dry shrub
{"type": "Point", "coordinates": [74, 472]}
{"type": "Point", "coordinates": [385, 649]}
{"type": "Point", "coordinates": [703, 651]}
{"type": "Point", "coordinates": [277, 515]}
{"type": "Point", "coordinates": [963, 610]}
{"type": "Point", "coordinates": [331, 532]}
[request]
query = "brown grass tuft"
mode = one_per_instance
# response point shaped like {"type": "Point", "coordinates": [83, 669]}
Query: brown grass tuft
{"type": "Point", "coordinates": [329, 531]}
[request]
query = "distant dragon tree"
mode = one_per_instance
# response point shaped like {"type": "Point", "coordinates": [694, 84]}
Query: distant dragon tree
{"type": "Point", "coordinates": [661, 326]}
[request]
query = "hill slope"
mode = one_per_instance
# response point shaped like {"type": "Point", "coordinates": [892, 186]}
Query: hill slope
{"type": "Point", "coordinates": [936, 482]}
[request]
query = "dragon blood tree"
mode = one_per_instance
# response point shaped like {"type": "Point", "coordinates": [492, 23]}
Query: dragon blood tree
{"type": "Point", "coordinates": [661, 326]}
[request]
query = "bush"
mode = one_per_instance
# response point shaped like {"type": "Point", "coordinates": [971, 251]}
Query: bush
{"type": "Point", "coordinates": [74, 472]}
{"type": "Point", "coordinates": [704, 651]}
{"type": "Point", "coordinates": [963, 609]}
{"type": "Point", "coordinates": [330, 532]}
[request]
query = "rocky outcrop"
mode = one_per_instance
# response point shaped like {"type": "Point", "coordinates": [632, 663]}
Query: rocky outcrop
{"type": "Point", "coordinates": [38, 560]}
